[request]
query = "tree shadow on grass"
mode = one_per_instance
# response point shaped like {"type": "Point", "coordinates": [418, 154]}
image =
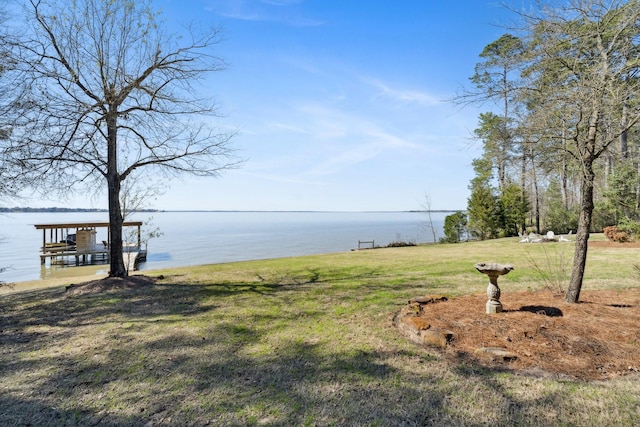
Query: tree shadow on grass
{"type": "Point", "coordinates": [176, 358]}
{"type": "Point", "coordinates": [37, 412]}
{"type": "Point", "coordinates": [214, 383]}
{"type": "Point", "coordinates": [547, 398]}
{"type": "Point", "coordinates": [56, 307]}
{"type": "Point", "coordinates": [187, 355]}
{"type": "Point", "coordinates": [166, 301]}
{"type": "Point", "coordinates": [515, 409]}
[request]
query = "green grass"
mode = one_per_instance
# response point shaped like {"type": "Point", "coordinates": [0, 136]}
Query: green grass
{"type": "Point", "coordinates": [296, 341]}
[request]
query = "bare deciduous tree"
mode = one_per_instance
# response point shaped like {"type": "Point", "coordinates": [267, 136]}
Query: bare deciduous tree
{"type": "Point", "coordinates": [426, 206]}
{"type": "Point", "coordinates": [110, 93]}
{"type": "Point", "coordinates": [9, 182]}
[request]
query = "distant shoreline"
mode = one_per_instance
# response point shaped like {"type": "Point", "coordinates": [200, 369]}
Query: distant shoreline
{"type": "Point", "coordinates": [72, 210]}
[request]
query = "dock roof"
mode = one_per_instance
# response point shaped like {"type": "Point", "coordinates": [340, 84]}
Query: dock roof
{"type": "Point", "coordinates": [83, 224]}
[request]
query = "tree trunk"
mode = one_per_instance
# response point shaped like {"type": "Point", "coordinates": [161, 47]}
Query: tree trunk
{"type": "Point", "coordinates": [536, 200]}
{"type": "Point", "coordinates": [116, 260]}
{"type": "Point", "coordinates": [117, 267]}
{"type": "Point", "coordinates": [587, 150]}
{"type": "Point", "coordinates": [624, 148]}
{"type": "Point", "coordinates": [638, 185]}
{"type": "Point", "coordinates": [564, 170]}
{"type": "Point", "coordinates": [608, 170]}
{"type": "Point", "coordinates": [523, 183]}
{"type": "Point", "coordinates": [582, 235]}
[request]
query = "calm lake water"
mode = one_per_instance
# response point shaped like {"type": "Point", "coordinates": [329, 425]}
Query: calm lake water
{"type": "Point", "coordinates": [195, 238]}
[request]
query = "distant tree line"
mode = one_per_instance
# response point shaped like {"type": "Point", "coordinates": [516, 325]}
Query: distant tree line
{"type": "Point", "coordinates": [561, 146]}
{"type": "Point", "coordinates": [62, 209]}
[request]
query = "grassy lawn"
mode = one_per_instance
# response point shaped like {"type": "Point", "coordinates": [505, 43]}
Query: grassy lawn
{"type": "Point", "coordinates": [296, 341]}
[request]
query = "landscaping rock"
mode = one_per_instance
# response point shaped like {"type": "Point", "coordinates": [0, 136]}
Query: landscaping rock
{"type": "Point", "coordinates": [418, 330]}
{"type": "Point", "coordinates": [429, 299]}
{"type": "Point", "coordinates": [416, 323]}
{"type": "Point", "coordinates": [497, 353]}
{"type": "Point", "coordinates": [436, 337]}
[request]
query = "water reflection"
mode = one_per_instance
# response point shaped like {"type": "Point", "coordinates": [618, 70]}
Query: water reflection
{"type": "Point", "coordinates": [157, 256]}
{"type": "Point", "coordinates": [57, 271]}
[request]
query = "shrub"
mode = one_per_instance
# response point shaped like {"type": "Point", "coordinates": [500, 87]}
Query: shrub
{"type": "Point", "coordinates": [614, 234]}
{"type": "Point", "coordinates": [629, 225]}
{"type": "Point", "coordinates": [455, 226]}
{"type": "Point", "coordinates": [400, 244]}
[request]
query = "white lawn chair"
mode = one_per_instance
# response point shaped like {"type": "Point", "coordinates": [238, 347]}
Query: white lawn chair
{"type": "Point", "coordinates": [566, 239]}
{"type": "Point", "coordinates": [523, 238]}
{"type": "Point", "coordinates": [535, 238]}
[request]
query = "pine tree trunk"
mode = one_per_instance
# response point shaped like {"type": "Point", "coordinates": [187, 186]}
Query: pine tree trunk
{"type": "Point", "coordinates": [564, 170]}
{"type": "Point", "coordinates": [523, 183]}
{"type": "Point", "coordinates": [536, 195]}
{"type": "Point", "coordinates": [582, 239]}
{"type": "Point", "coordinates": [624, 147]}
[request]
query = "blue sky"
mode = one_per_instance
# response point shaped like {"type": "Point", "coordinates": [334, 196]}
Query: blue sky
{"type": "Point", "coordinates": [341, 105]}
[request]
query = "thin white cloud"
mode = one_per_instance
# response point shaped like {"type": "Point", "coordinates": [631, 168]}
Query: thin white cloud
{"type": "Point", "coordinates": [279, 11]}
{"type": "Point", "coordinates": [278, 126]}
{"type": "Point", "coordinates": [280, 178]}
{"type": "Point", "coordinates": [308, 65]}
{"type": "Point", "coordinates": [346, 159]}
{"type": "Point", "coordinates": [316, 141]}
{"type": "Point", "coordinates": [281, 2]}
{"type": "Point", "coordinates": [349, 139]}
{"type": "Point", "coordinates": [402, 96]}
{"type": "Point", "coordinates": [333, 123]}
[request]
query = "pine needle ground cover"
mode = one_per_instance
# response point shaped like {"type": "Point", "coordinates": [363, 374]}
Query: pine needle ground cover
{"type": "Point", "coordinates": [309, 341]}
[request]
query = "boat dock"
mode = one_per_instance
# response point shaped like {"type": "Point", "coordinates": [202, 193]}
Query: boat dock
{"type": "Point", "coordinates": [76, 244]}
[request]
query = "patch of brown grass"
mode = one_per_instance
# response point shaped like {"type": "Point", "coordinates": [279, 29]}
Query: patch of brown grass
{"type": "Point", "coordinates": [597, 338]}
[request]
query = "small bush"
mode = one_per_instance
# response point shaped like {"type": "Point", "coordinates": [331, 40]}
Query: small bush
{"type": "Point", "coordinates": [554, 269]}
{"type": "Point", "coordinates": [400, 244]}
{"type": "Point", "coordinates": [630, 226]}
{"type": "Point", "coordinates": [614, 234]}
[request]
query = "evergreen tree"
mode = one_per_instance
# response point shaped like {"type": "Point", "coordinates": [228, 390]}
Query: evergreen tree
{"type": "Point", "coordinates": [515, 207]}
{"type": "Point", "coordinates": [558, 218]}
{"type": "Point", "coordinates": [483, 206]}
{"type": "Point", "coordinates": [455, 226]}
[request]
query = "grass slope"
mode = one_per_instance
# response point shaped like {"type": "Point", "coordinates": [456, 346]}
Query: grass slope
{"type": "Point", "coordinates": [296, 341]}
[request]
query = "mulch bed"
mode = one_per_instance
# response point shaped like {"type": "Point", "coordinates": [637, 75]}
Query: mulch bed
{"type": "Point", "coordinates": [598, 338]}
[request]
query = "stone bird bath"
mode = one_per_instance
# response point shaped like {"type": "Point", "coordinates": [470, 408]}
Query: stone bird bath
{"type": "Point", "coordinates": [493, 270]}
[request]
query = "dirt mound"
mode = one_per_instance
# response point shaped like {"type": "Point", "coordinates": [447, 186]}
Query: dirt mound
{"type": "Point", "coordinates": [537, 332]}
{"type": "Point", "coordinates": [109, 284]}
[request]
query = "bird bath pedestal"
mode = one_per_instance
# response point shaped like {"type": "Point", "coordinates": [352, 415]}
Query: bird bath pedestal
{"type": "Point", "coordinates": [493, 270]}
